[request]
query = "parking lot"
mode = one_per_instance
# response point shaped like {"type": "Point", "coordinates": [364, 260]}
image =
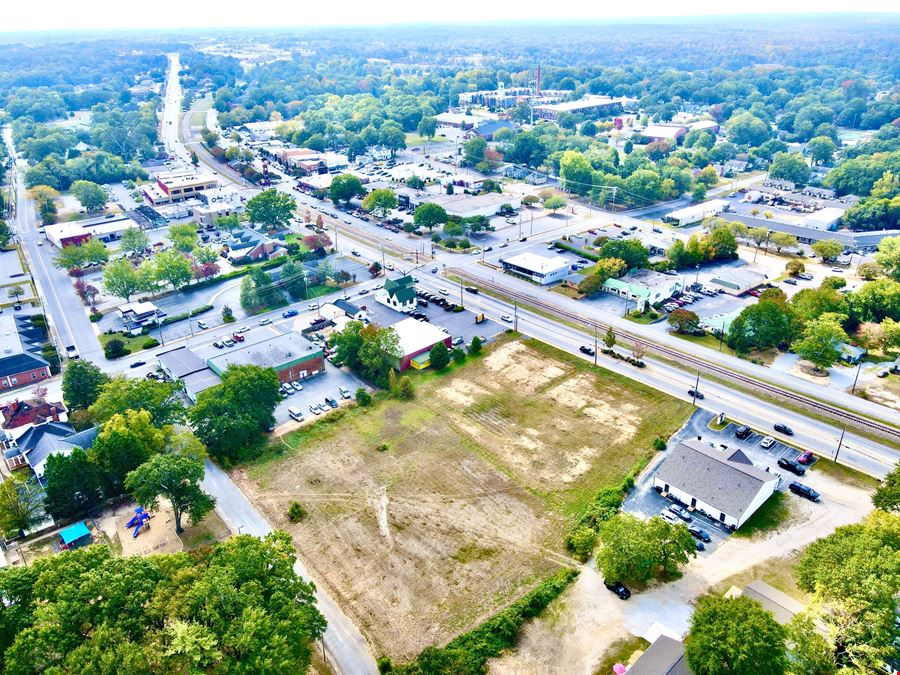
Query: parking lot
{"type": "Point", "coordinates": [315, 389]}
{"type": "Point", "coordinates": [644, 501]}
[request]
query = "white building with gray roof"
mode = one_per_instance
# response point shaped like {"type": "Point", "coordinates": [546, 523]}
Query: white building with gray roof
{"type": "Point", "coordinates": [722, 484]}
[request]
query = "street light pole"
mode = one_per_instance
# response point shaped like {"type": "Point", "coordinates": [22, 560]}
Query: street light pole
{"type": "Point", "coordinates": [461, 302]}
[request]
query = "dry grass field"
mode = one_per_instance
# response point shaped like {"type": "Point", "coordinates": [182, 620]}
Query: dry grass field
{"type": "Point", "coordinates": [467, 505]}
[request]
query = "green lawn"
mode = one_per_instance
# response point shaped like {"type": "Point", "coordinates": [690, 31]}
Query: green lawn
{"type": "Point", "coordinates": [769, 517]}
{"type": "Point", "coordinates": [620, 651]}
{"type": "Point", "coordinates": [134, 344]}
{"type": "Point", "coordinates": [413, 139]}
{"type": "Point", "coordinates": [707, 340]}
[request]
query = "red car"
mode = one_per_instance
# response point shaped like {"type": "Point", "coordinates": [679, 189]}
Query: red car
{"type": "Point", "coordinates": [805, 457]}
{"type": "Point", "coordinates": [237, 337]}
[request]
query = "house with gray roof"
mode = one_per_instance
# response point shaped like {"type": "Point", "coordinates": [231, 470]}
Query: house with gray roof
{"type": "Point", "coordinates": [723, 484]}
{"type": "Point", "coordinates": [21, 362]}
{"type": "Point", "coordinates": [664, 657]}
{"type": "Point", "coordinates": [36, 445]}
{"type": "Point", "coordinates": [782, 606]}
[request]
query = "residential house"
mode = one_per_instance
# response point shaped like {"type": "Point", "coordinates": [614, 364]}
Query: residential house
{"type": "Point", "coordinates": [36, 445]}
{"type": "Point", "coordinates": [20, 413]}
{"type": "Point", "coordinates": [399, 294]}
{"type": "Point", "coordinates": [21, 362]}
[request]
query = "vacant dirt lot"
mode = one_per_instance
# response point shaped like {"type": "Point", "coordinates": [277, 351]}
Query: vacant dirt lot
{"type": "Point", "coordinates": [466, 507]}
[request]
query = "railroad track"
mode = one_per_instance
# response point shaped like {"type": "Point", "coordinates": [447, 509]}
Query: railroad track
{"type": "Point", "coordinates": [880, 428]}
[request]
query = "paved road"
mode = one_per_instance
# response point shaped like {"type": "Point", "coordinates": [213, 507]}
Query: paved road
{"type": "Point", "coordinates": [343, 641]}
{"type": "Point", "coordinates": [66, 315]}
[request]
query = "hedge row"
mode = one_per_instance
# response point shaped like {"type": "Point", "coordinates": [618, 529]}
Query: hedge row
{"type": "Point", "coordinates": [469, 653]}
{"type": "Point", "coordinates": [574, 249]}
{"type": "Point", "coordinates": [624, 357]}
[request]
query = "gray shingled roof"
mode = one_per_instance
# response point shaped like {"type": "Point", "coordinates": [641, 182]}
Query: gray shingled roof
{"type": "Point", "coordinates": [782, 606]}
{"type": "Point", "coordinates": [721, 479]}
{"type": "Point", "coordinates": [664, 657]}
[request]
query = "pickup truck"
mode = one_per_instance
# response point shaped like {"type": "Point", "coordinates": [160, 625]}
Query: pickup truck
{"type": "Point", "coordinates": [72, 352]}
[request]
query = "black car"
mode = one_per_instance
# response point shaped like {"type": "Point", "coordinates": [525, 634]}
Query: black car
{"type": "Point", "coordinates": [618, 588]}
{"type": "Point", "coordinates": [784, 429]}
{"type": "Point", "coordinates": [695, 393]}
{"type": "Point", "coordinates": [791, 466]}
{"type": "Point", "coordinates": [138, 364]}
{"type": "Point", "coordinates": [584, 349]}
{"type": "Point", "coordinates": [699, 533]}
{"type": "Point", "coordinates": [743, 432]}
{"type": "Point", "coordinates": [804, 491]}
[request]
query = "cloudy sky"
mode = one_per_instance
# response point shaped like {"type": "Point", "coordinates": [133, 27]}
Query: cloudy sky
{"type": "Point", "coordinates": [115, 14]}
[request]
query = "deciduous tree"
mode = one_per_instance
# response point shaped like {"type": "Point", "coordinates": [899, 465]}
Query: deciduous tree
{"type": "Point", "coordinates": [177, 479]}
{"type": "Point", "coordinates": [81, 385]}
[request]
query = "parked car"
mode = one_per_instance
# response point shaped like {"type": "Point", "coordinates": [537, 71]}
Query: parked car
{"type": "Point", "coordinates": [790, 282]}
{"type": "Point", "coordinates": [218, 345]}
{"type": "Point", "coordinates": [443, 291]}
{"type": "Point", "coordinates": [743, 432]}
{"type": "Point", "coordinates": [295, 414]}
{"type": "Point", "coordinates": [804, 491]}
{"type": "Point", "coordinates": [138, 364]}
{"type": "Point", "coordinates": [791, 466]}
{"type": "Point", "coordinates": [458, 340]}
{"type": "Point", "coordinates": [332, 402]}
{"type": "Point", "coordinates": [806, 276]}
{"type": "Point", "coordinates": [783, 429]}
{"type": "Point", "coordinates": [296, 386]}
{"type": "Point", "coordinates": [286, 389]}
{"type": "Point", "coordinates": [344, 392]}
{"type": "Point", "coordinates": [669, 517]}
{"type": "Point", "coordinates": [584, 349]}
{"type": "Point", "coordinates": [767, 442]}
{"type": "Point", "coordinates": [237, 337]}
{"type": "Point", "coordinates": [313, 305]}
{"type": "Point", "coordinates": [681, 512]}
{"type": "Point", "coordinates": [243, 329]}
{"type": "Point", "coordinates": [314, 409]}
{"type": "Point", "coordinates": [228, 343]}
{"type": "Point", "coordinates": [618, 588]}
{"type": "Point", "coordinates": [364, 291]}
{"type": "Point", "coordinates": [287, 314]}
{"type": "Point", "coordinates": [696, 393]}
{"type": "Point", "coordinates": [699, 533]}
{"type": "Point", "coordinates": [805, 457]}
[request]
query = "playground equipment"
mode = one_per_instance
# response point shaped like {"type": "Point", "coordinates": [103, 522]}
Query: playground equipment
{"type": "Point", "coordinates": [140, 520]}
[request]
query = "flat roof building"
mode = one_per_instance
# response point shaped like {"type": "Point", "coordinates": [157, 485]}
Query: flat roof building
{"type": "Point", "coordinates": [589, 106]}
{"type": "Point", "coordinates": [537, 268]}
{"type": "Point", "coordinates": [21, 362]}
{"type": "Point", "coordinates": [696, 212]}
{"type": "Point", "coordinates": [416, 339]}
{"type": "Point", "coordinates": [76, 232]}
{"type": "Point", "coordinates": [664, 132]}
{"type": "Point", "coordinates": [456, 120]}
{"type": "Point", "coordinates": [643, 287]}
{"type": "Point", "coordinates": [738, 281]}
{"type": "Point", "coordinates": [184, 366]}
{"type": "Point", "coordinates": [290, 355]}
{"type": "Point", "coordinates": [175, 186]}
{"type": "Point", "coordinates": [824, 219]}
{"type": "Point", "coordinates": [724, 485]}
{"type": "Point", "coordinates": [467, 206]}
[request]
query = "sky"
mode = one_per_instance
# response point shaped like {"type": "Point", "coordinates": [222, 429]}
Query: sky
{"type": "Point", "coordinates": [69, 15]}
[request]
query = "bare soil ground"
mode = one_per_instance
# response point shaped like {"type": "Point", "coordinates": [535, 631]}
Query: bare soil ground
{"type": "Point", "coordinates": [467, 507]}
{"type": "Point", "coordinates": [885, 391]}
{"type": "Point", "coordinates": [587, 620]}
{"type": "Point", "coordinates": [160, 537]}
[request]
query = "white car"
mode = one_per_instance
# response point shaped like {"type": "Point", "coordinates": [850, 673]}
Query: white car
{"type": "Point", "coordinates": [506, 317]}
{"type": "Point", "coordinates": [265, 322]}
{"type": "Point", "coordinates": [315, 410]}
{"type": "Point", "coordinates": [313, 305]}
{"type": "Point", "coordinates": [345, 393]}
{"type": "Point", "coordinates": [202, 325]}
{"type": "Point", "coordinates": [443, 291]}
{"type": "Point", "coordinates": [297, 386]}
{"type": "Point", "coordinates": [767, 442]}
{"type": "Point", "coordinates": [670, 517]}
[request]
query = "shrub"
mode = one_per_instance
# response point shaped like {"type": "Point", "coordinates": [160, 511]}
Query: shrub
{"type": "Point", "coordinates": [581, 542]}
{"type": "Point", "coordinates": [95, 317]}
{"type": "Point", "coordinates": [405, 391]}
{"type": "Point", "coordinates": [458, 355]}
{"type": "Point", "coordinates": [363, 397]}
{"type": "Point", "coordinates": [150, 343]}
{"type": "Point", "coordinates": [457, 308]}
{"type": "Point", "coordinates": [296, 512]}
{"type": "Point", "coordinates": [475, 346]}
{"type": "Point", "coordinates": [115, 348]}
{"type": "Point", "coordinates": [659, 444]}
{"type": "Point", "coordinates": [382, 448]}
{"type": "Point", "coordinates": [385, 665]}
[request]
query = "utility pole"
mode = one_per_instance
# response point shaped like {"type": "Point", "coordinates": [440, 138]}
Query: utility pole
{"type": "Point", "coordinates": [840, 442]}
{"type": "Point", "coordinates": [696, 389]}
{"type": "Point", "coordinates": [855, 379]}
{"type": "Point", "coordinates": [595, 344]}
{"type": "Point", "coordinates": [515, 316]}
{"type": "Point", "coordinates": [461, 302]}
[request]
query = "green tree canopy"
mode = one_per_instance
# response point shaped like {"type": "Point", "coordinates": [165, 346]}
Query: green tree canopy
{"type": "Point", "coordinates": [790, 166]}
{"type": "Point", "coordinates": [177, 479]}
{"type": "Point", "coordinates": [91, 195]}
{"type": "Point", "coordinates": [123, 393]}
{"type": "Point", "coordinates": [183, 236]}
{"type": "Point", "coordinates": [172, 267]}
{"type": "Point", "coordinates": [636, 550]}
{"type": "Point", "coordinates": [634, 254]}
{"type": "Point", "coordinates": [121, 279]}
{"type": "Point", "coordinates": [271, 208]}
{"type": "Point", "coordinates": [126, 441]}
{"type": "Point", "coordinates": [371, 351]}
{"type": "Point", "coordinates": [380, 202]}
{"type": "Point", "coordinates": [81, 385]}
{"type": "Point", "coordinates": [822, 337]}
{"type": "Point", "coordinates": [134, 239]}
{"type": "Point", "coordinates": [430, 215]}
{"type": "Point", "coordinates": [345, 187]}
{"type": "Point", "coordinates": [734, 635]}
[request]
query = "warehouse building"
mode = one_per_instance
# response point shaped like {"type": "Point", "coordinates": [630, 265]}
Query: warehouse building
{"type": "Point", "coordinates": [537, 268]}
{"type": "Point", "coordinates": [696, 213]}
{"type": "Point", "coordinates": [290, 355]}
{"type": "Point", "coordinates": [416, 338]}
{"type": "Point", "coordinates": [77, 232]}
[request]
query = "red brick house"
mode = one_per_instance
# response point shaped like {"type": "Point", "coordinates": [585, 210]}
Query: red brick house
{"type": "Point", "coordinates": [19, 413]}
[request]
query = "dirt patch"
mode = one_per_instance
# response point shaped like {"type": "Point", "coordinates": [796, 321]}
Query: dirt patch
{"type": "Point", "coordinates": [520, 366]}
{"type": "Point", "coordinates": [885, 391]}
{"type": "Point", "coordinates": [159, 537]}
{"type": "Point", "coordinates": [468, 506]}
{"type": "Point", "coordinates": [806, 372]}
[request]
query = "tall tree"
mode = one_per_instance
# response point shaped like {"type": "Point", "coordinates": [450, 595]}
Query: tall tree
{"type": "Point", "coordinates": [20, 504]}
{"type": "Point", "coordinates": [380, 202]}
{"type": "Point", "coordinates": [74, 484]}
{"type": "Point", "coordinates": [734, 635]}
{"type": "Point", "coordinates": [821, 341]}
{"type": "Point", "coordinates": [177, 479]}
{"type": "Point", "coordinates": [183, 236]}
{"type": "Point", "coordinates": [172, 267]}
{"type": "Point", "coordinates": [92, 196]}
{"type": "Point", "coordinates": [126, 441]}
{"type": "Point", "coordinates": [430, 215]}
{"type": "Point", "coordinates": [134, 239]}
{"type": "Point", "coordinates": [121, 279]}
{"type": "Point", "coordinates": [81, 384]}
{"type": "Point", "coordinates": [271, 208]}
{"type": "Point", "coordinates": [345, 187]}
{"type": "Point", "coordinates": [122, 393]}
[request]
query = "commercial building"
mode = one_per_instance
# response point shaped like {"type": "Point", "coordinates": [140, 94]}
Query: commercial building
{"type": "Point", "coordinates": [488, 128]}
{"type": "Point", "coordinates": [216, 203]}
{"type": "Point", "coordinates": [77, 232]}
{"type": "Point", "coordinates": [21, 362]}
{"type": "Point", "coordinates": [456, 120]}
{"type": "Point", "coordinates": [710, 126]}
{"type": "Point", "coordinates": [399, 294]}
{"type": "Point", "coordinates": [176, 186]}
{"type": "Point", "coordinates": [589, 106]}
{"type": "Point", "coordinates": [824, 219]}
{"type": "Point", "coordinates": [467, 206]}
{"type": "Point", "coordinates": [643, 287]}
{"type": "Point", "coordinates": [738, 281]}
{"type": "Point", "coordinates": [184, 366]}
{"type": "Point", "coordinates": [416, 338]}
{"type": "Point", "coordinates": [809, 235]}
{"type": "Point", "coordinates": [724, 485]}
{"type": "Point", "coordinates": [664, 132]}
{"type": "Point", "coordinates": [290, 355]}
{"type": "Point", "coordinates": [537, 268]}
{"type": "Point", "coordinates": [696, 212]}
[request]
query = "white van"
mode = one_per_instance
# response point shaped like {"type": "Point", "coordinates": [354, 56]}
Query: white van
{"type": "Point", "coordinates": [295, 413]}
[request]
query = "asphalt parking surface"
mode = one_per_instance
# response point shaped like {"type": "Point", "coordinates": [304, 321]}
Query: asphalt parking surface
{"type": "Point", "coordinates": [315, 389]}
